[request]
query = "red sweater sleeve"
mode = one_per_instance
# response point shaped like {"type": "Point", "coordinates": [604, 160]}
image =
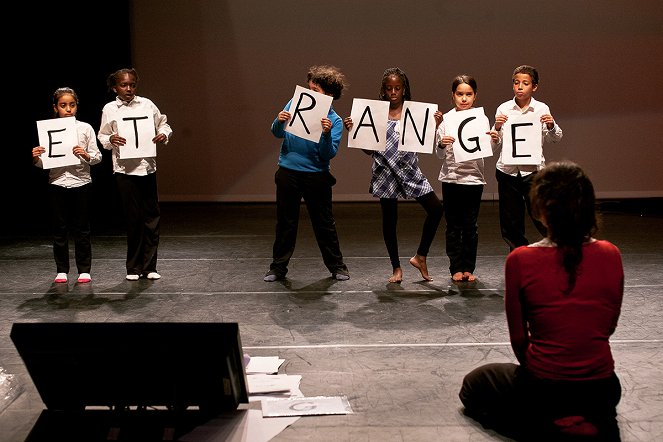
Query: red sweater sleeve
{"type": "Point", "coordinates": [516, 320]}
{"type": "Point", "coordinates": [557, 334]}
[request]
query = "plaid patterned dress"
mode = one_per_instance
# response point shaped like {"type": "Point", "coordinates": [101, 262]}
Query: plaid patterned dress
{"type": "Point", "coordinates": [396, 173]}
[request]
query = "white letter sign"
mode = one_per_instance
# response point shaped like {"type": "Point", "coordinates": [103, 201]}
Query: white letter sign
{"type": "Point", "coordinates": [139, 131]}
{"type": "Point", "coordinates": [369, 124]}
{"type": "Point", "coordinates": [307, 108]}
{"type": "Point", "coordinates": [468, 127]}
{"type": "Point", "coordinates": [59, 137]}
{"type": "Point", "coordinates": [521, 140]}
{"type": "Point", "coordinates": [417, 127]}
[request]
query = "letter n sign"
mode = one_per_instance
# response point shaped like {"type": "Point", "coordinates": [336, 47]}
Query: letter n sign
{"type": "Point", "coordinates": [417, 127]}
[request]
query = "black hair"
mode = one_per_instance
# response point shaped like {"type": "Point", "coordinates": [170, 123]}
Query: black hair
{"type": "Point", "coordinates": [562, 196]}
{"type": "Point", "coordinates": [395, 72]}
{"type": "Point", "coordinates": [115, 76]}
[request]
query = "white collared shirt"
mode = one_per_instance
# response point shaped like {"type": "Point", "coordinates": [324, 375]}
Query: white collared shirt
{"type": "Point", "coordinates": [465, 172]}
{"type": "Point", "coordinates": [78, 174]}
{"type": "Point", "coordinates": [552, 136]}
{"type": "Point", "coordinates": [111, 112]}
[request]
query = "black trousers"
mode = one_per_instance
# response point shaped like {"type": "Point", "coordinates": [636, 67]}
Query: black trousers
{"type": "Point", "coordinates": [433, 207]}
{"type": "Point", "coordinates": [513, 194]}
{"type": "Point", "coordinates": [506, 398]}
{"type": "Point", "coordinates": [315, 188]}
{"type": "Point", "coordinates": [140, 201]}
{"type": "Point", "coordinates": [461, 212]}
{"type": "Point", "coordinates": [70, 214]}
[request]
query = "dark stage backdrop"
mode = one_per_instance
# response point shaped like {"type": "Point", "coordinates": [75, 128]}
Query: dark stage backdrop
{"type": "Point", "coordinates": [221, 71]}
{"type": "Point", "coordinates": [74, 44]}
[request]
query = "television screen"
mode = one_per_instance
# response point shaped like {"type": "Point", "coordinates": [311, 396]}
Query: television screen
{"type": "Point", "coordinates": [122, 366]}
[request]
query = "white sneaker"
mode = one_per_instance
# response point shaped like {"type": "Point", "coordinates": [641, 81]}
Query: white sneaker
{"type": "Point", "coordinates": [84, 277]}
{"type": "Point", "coordinates": [153, 275]}
{"type": "Point", "coordinates": [133, 277]}
{"type": "Point", "coordinates": [61, 277]}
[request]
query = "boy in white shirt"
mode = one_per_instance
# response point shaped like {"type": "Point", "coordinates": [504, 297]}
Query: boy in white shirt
{"type": "Point", "coordinates": [513, 181]}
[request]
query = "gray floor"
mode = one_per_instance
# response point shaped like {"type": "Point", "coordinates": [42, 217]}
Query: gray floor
{"type": "Point", "coordinates": [397, 351]}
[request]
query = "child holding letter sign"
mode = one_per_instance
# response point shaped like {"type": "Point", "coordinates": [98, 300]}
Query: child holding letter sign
{"type": "Point", "coordinates": [513, 180]}
{"type": "Point", "coordinates": [69, 192]}
{"type": "Point", "coordinates": [462, 186]}
{"type": "Point", "coordinates": [303, 173]}
{"type": "Point", "coordinates": [396, 174]}
{"type": "Point", "coordinates": [136, 177]}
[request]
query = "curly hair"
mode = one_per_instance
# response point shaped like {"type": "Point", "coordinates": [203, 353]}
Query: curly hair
{"type": "Point", "coordinates": [395, 72]}
{"type": "Point", "coordinates": [329, 78]}
{"type": "Point", "coordinates": [562, 197]}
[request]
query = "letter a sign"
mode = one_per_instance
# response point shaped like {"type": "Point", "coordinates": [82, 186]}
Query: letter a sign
{"type": "Point", "coordinates": [369, 119]}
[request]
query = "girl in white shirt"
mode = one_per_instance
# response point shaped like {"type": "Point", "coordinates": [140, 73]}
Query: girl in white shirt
{"type": "Point", "coordinates": [136, 177]}
{"type": "Point", "coordinates": [69, 192]}
{"type": "Point", "coordinates": [462, 186]}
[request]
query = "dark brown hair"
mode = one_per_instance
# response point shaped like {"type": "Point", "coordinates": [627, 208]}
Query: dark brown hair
{"type": "Point", "coordinates": [529, 70]}
{"type": "Point", "coordinates": [464, 79]}
{"type": "Point", "coordinates": [59, 92]}
{"type": "Point", "coordinates": [562, 196]}
{"type": "Point", "coordinates": [329, 78]}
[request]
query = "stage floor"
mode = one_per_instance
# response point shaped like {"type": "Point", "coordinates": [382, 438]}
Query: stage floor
{"type": "Point", "coordinates": [397, 351]}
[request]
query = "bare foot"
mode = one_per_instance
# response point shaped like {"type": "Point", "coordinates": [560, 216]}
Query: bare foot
{"type": "Point", "coordinates": [420, 263]}
{"type": "Point", "coordinates": [458, 276]}
{"type": "Point", "coordinates": [397, 277]}
{"type": "Point", "coordinates": [467, 276]}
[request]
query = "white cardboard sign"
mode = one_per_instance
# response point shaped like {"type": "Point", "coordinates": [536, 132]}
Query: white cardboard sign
{"type": "Point", "coordinates": [417, 127]}
{"type": "Point", "coordinates": [307, 108]}
{"type": "Point", "coordinates": [139, 131]}
{"type": "Point", "coordinates": [521, 140]}
{"type": "Point", "coordinates": [369, 124]}
{"type": "Point", "coordinates": [468, 127]}
{"type": "Point", "coordinates": [59, 137]}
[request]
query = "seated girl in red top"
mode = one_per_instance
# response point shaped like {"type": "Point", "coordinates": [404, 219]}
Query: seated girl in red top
{"type": "Point", "coordinates": [563, 298]}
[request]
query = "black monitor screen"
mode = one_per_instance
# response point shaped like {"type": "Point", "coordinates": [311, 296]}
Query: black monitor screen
{"type": "Point", "coordinates": [122, 365]}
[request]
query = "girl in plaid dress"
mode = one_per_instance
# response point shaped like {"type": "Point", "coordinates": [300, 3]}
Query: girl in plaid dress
{"type": "Point", "coordinates": [396, 174]}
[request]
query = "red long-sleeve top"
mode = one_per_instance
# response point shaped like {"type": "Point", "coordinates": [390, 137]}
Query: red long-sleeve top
{"type": "Point", "coordinates": [559, 335]}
